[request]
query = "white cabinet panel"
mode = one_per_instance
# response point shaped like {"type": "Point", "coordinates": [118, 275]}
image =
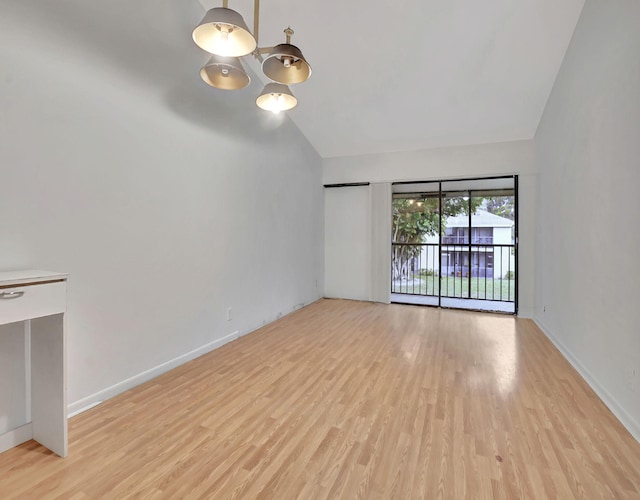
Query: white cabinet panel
{"type": "Point", "coordinates": [35, 301]}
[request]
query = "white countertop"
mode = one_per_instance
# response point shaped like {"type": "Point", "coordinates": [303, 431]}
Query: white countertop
{"type": "Point", "coordinates": [8, 278]}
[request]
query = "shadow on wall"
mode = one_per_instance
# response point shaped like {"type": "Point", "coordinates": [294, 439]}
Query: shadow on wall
{"type": "Point", "coordinates": [229, 112]}
{"type": "Point", "coordinates": [147, 42]}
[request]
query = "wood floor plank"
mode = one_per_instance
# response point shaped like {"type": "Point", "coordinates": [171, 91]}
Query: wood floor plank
{"type": "Point", "coordinates": [347, 399]}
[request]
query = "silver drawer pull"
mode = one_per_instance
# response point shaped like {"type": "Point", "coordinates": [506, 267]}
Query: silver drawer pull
{"type": "Point", "coordinates": [11, 295]}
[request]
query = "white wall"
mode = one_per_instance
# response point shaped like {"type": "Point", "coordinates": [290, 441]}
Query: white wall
{"type": "Point", "coordinates": [481, 160]}
{"type": "Point", "coordinates": [357, 242]}
{"type": "Point", "coordinates": [164, 209]}
{"type": "Point", "coordinates": [502, 235]}
{"type": "Point", "coordinates": [13, 404]}
{"type": "Point", "coordinates": [460, 162]}
{"type": "Point", "coordinates": [588, 157]}
{"type": "Point", "coordinates": [347, 243]}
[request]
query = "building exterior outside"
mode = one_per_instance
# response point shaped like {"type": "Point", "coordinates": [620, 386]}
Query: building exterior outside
{"type": "Point", "coordinates": [485, 258]}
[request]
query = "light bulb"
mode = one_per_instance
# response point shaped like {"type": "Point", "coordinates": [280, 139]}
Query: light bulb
{"type": "Point", "coordinates": [223, 42]}
{"type": "Point", "coordinates": [276, 97]}
{"type": "Point", "coordinates": [277, 104]}
{"type": "Point", "coordinates": [287, 62]}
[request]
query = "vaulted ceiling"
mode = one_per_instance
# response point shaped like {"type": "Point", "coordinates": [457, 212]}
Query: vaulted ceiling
{"type": "Point", "coordinates": [386, 76]}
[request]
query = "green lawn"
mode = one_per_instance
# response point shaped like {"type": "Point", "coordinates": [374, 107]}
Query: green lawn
{"type": "Point", "coordinates": [490, 289]}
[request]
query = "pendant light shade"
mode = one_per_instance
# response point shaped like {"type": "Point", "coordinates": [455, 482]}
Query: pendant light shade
{"type": "Point", "coordinates": [223, 32]}
{"type": "Point", "coordinates": [276, 97]}
{"type": "Point", "coordinates": [225, 73]}
{"type": "Point", "coordinates": [286, 64]}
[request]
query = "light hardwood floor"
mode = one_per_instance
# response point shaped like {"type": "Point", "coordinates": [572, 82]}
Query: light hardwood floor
{"type": "Point", "coordinates": [349, 400]}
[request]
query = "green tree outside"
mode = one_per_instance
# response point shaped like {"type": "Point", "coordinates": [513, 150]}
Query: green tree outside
{"type": "Point", "coordinates": [416, 218]}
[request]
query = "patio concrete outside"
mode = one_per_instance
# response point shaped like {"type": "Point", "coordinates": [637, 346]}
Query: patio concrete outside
{"type": "Point", "coordinates": [475, 304]}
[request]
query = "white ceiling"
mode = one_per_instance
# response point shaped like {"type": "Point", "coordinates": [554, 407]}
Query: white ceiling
{"type": "Point", "coordinates": [428, 73]}
{"type": "Point", "coordinates": [386, 76]}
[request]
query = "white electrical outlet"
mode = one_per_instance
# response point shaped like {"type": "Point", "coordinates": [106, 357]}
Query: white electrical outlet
{"type": "Point", "coordinates": [631, 375]}
{"type": "Point", "coordinates": [229, 314]}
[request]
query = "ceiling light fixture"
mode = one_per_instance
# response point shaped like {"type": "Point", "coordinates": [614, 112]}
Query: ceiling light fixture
{"type": "Point", "coordinates": [286, 64]}
{"type": "Point", "coordinates": [276, 97]}
{"type": "Point", "coordinates": [224, 33]}
{"type": "Point", "coordinates": [225, 73]}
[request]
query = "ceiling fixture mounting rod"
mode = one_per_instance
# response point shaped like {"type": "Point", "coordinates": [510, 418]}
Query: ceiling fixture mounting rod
{"type": "Point", "coordinates": [256, 20]}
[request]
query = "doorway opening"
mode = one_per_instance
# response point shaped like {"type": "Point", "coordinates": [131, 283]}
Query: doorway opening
{"type": "Point", "coordinates": [454, 244]}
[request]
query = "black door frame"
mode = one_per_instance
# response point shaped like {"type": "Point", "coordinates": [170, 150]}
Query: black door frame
{"type": "Point", "coordinates": [516, 225]}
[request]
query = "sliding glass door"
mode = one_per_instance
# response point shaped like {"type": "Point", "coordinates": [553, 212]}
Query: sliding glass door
{"type": "Point", "coordinates": [454, 244]}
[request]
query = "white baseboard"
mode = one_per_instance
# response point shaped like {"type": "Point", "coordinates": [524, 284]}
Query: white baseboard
{"type": "Point", "coordinates": [15, 437]}
{"type": "Point", "coordinates": [630, 423]}
{"type": "Point", "coordinates": [89, 402]}
{"type": "Point", "coordinates": [265, 322]}
{"type": "Point", "coordinates": [525, 312]}
{"type": "Point", "coordinates": [100, 396]}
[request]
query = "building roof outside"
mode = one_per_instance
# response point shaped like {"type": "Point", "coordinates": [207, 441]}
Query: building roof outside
{"type": "Point", "coordinates": [481, 218]}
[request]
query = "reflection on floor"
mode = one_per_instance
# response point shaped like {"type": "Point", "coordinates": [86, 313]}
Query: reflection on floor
{"type": "Point", "coordinates": [346, 399]}
{"type": "Point", "coordinates": [473, 304]}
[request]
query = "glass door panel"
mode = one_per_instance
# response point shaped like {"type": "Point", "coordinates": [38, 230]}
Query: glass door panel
{"type": "Point", "coordinates": [454, 244]}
